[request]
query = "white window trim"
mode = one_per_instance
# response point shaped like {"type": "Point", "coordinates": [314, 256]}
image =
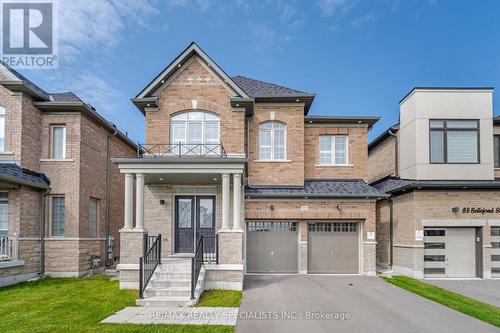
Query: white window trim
{"type": "Point", "coordinates": [186, 129]}
{"type": "Point", "coordinates": [97, 201]}
{"type": "Point", "coordinates": [2, 116]}
{"type": "Point", "coordinates": [272, 159]}
{"type": "Point", "coordinates": [52, 127]}
{"type": "Point", "coordinates": [332, 161]}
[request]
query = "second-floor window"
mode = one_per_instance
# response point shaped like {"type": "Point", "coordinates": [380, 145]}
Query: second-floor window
{"type": "Point", "coordinates": [2, 129]}
{"type": "Point", "coordinates": [333, 150]}
{"type": "Point", "coordinates": [195, 132]}
{"type": "Point", "coordinates": [496, 144]}
{"type": "Point", "coordinates": [58, 142]}
{"type": "Point", "coordinates": [272, 141]}
{"type": "Point", "coordinates": [454, 141]}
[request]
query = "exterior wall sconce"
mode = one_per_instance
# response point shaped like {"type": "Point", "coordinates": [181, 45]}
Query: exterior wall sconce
{"type": "Point", "coordinates": [162, 202]}
{"type": "Point", "coordinates": [455, 210]}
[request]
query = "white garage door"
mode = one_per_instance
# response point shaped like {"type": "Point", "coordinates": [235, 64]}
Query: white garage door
{"type": "Point", "coordinates": [495, 252]}
{"type": "Point", "coordinates": [450, 252]}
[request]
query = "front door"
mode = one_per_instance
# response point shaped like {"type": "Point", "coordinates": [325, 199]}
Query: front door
{"type": "Point", "coordinates": [194, 216]}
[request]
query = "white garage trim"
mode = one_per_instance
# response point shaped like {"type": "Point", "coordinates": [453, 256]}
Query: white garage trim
{"type": "Point", "coordinates": [454, 223]}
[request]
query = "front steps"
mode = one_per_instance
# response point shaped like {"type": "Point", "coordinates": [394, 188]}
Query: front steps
{"type": "Point", "coordinates": [170, 285]}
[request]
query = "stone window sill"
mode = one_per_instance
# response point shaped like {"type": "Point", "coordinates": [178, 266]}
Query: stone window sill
{"type": "Point", "coordinates": [6, 153]}
{"type": "Point", "coordinates": [272, 161]}
{"type": "Point", "coordinates": [56, 160]}
{"type": "Point", "coordinates": [11, 263]}
{"type": "Point", "coordinates": [334, 165]}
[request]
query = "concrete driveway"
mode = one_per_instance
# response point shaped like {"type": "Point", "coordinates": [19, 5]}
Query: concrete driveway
{"type": "Point", "coordinates": [366, 304]}
{"type": "Point", "coordinates": [487, 291]}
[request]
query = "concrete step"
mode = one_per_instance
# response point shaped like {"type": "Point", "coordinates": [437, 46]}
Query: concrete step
{"type": "Point", "coordinates": [165, 302]}
{"type": "Point", "coordinates": [167, 283]}
{"type": "Point", "coordinates": [171, 291]}
{"type": "Point", "coordinates": [172, 275]}
{"type": "Point", "coordinates": [174, 268]}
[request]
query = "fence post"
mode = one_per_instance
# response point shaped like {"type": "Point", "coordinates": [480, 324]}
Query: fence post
{"type": "Point", "coordinates": [193, 283]}
{"type": "Point", "coordinates": [217, 249]}
{"type": "Point", "coordinates": [145, 245]}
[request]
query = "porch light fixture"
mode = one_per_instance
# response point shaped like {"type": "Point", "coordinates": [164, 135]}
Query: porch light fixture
{"type": "Point", "coordinates": [464, 187]}
{"type": "Point", "coordinates": [297, 100]}
{"type": "Point", "coordinates": [162, 202]}
{"type": "Point", "coordinates": [162, 81]}
{"type": "Point", "coordinates": [161, 179]}
{"type": "Point", "coordinates": [455, 210]}
{"type": "Point", "coordinates": [215, 179]}
{"type": "Point", "coordinates": [237, 105]}
{"type": "Point", "coordinates": [148, 105]}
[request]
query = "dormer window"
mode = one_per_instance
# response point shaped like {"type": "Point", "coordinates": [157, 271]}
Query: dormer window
{"type": "Point", "coordinates": [454, 141]}
{"type": "Point", "coordinates": [195, 132]}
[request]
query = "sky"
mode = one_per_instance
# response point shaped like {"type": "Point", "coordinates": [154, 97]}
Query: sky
{"type": "Point", "coordinates": [360, 57]}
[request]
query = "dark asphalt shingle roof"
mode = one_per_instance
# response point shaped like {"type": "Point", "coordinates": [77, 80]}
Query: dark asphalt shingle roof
{"type": "Point", "coordinates": [27, 82]}
{"type": "Point", "coordinates": [317, 188]}
{"type": "Point", "coordinates": [256, 88]}
{"type": "Point", "coordinates": [65, 97]}
{"type": "Point", "coordinates": [395, 185]}
{"type": "Point", "coordinates": [13, 173]}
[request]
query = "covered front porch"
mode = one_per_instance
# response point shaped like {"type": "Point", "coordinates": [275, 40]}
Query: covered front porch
{"type": "Point", "coordinates": [184, 200]}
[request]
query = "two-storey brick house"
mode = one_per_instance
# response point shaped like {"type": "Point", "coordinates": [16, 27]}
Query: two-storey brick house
{"type": "Point", "coordinates": [60, 194]}
{"type": "Point", "coordinates": [438, 165]}
{"type": "Point", "coordinates": [239, 179]}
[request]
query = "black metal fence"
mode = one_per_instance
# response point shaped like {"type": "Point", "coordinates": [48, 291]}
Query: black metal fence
{"type": "Point", "coordinates": [211, 249]}
{"type": "Point", "coordinates": [196, 263]}
{"type": "Point", "coordinates": [149, 261]}
{"type": "Point", "coordinates": [180, 150]}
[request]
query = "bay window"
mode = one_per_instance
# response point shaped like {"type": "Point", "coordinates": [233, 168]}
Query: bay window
{"type": "Point", "coordinates": [454, 141]}
{"type": "Point", "coordinates": [333, 150]}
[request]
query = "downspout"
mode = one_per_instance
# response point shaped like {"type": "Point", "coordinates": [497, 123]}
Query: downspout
{"type": "Point", "coordinates": [108, 189]}
{"type": "Point", "coordinates": [391, 232]}
{"type": "Point", "coordinates": [396, 153]}
{"type": "Point", "coordinates": [43, 194]}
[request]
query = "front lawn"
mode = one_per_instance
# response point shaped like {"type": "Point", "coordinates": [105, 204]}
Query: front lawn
{"type": "Point", "coordinates": [220, 298]}
{"type": "Point", "coordinates": [482, 311]}
{"type": "Point", "coordinates": [75, 305]}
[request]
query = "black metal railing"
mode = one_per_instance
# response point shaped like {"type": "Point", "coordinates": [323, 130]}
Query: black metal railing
{"type": "Point", "coordinates": [196, 263]}
{"type": "Point", "coordinates": [180, 150]}
{"type": "Point", "coordinates": [149, 261]}
{"type": "Point", "coordinates": [206, 252]}
{"type": "Point", "coordinates": [211, 249]}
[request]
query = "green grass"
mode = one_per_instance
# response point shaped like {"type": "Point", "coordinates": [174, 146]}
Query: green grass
{"type": "Point", "coordinates": [220, 298]}
{"type": "Point", "coordinates": [75, 305]}
{"type": "Point", "coordinates": [469, 306]}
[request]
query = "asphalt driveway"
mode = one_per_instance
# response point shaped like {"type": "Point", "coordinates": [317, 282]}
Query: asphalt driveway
{"type": "Point", "coordinates": [487, 291]}
{"type": "Point", "coordinates": [320, 303]}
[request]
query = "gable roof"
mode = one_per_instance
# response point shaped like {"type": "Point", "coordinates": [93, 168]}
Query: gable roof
{"type": "Point", "coordinates": [191, 50]}
{"type": "Point", "coordinates": [393, 129]}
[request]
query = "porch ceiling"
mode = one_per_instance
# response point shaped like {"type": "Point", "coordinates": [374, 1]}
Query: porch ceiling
{"type": "Point", "coordinates": [184, 179]}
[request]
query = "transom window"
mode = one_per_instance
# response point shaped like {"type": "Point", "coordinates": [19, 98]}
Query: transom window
{"type": "Point", "coordinates": [333, 150]}
{"type": "Point", "coordinates": [196, 132]}
{"type": "Point", "coordinates": [454, 141]}
{"type": "Point", "coordinates": [272, 141]}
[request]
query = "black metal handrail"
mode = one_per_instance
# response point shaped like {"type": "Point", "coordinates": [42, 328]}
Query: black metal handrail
{"type": "Point", "coordinates": [180, 150]}
{"type": "Point", "coordinates": [149, 261]}
{"type": "Point", "coordinates": [196, 263]}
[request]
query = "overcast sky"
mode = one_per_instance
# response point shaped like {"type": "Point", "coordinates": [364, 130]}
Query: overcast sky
{"type": "Point", "coordinates": [359, 56]}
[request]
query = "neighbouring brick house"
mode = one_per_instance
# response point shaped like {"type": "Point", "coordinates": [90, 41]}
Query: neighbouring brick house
{"type": "Point", "coordinates": [239, 179]}
{"type": "Point", "coordinates": [438, 165]}
{"type": "Point", "coordinates": [60, 194]}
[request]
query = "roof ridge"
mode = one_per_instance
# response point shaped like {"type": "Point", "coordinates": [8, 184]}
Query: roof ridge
{"type": "Point", "coordinates": [269, 83]}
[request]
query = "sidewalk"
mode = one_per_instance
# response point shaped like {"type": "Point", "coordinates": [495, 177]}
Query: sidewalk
{"type": "Point", "coordinates": [179, 316]}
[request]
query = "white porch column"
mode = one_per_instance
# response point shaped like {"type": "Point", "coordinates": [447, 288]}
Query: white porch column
{"type": "Point", "coordinates": [129, 201]}
{"type": "Point", "coordinates": [139, 202]}
{"type": "Point", "coordinates": [236, 201]}
{"type": "Point", "coordinates": [225, 201]}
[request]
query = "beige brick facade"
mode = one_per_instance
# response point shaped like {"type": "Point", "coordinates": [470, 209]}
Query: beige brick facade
{"type": "Point", "coordinates": [382, 160]}
{"type": "Point", "coordinates": [357, 167]}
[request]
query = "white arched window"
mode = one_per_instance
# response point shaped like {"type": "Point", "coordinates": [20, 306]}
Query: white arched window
{"type": "Point", "coordinates": [196, 132]}
{"type": "Point", "coordinates": [272, 141]}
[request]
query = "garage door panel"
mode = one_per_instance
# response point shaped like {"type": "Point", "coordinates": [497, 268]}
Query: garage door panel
{"type": "Point", "coordinates": [272, 247]}
{"type": "Point", "coordinates": [333, 248]}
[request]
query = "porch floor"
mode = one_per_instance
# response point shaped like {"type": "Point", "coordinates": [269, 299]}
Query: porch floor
{"type": "Point", "coordinates": [182, 316]}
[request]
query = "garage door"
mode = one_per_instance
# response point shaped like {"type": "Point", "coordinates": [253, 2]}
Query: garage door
{"type": "Point", "coordinates": [450, 252]}
{"type": "Point", "coordinates": [333, 247]}
{"type": "Point", "coordinates": [495, 252]}
{"type": "Point", "coordinates": [272, 247]}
